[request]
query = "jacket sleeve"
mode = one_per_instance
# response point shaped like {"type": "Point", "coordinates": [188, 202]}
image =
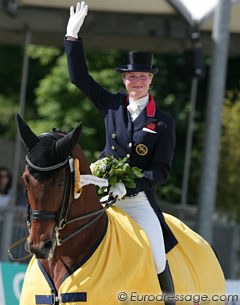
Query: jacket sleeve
{"type": "Point", "coordinates": [79, 75]}
{"type": "Point", "coordinates": [161, 163]}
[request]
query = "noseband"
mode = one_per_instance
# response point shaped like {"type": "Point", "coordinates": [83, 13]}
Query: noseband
{"type": "Point", "coordinates": [60, 216]}
{"type": "Point", "coordinates": [39, 215]}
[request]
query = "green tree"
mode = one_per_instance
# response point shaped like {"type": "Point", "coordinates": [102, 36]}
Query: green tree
{"type": "Point", "coordinates": [52, 101]}
{"type": "Point", "coordinates": [57, 103]}
{"type": "Point", "coordinates": [61, 104]}
{"type": "Point", "coordinates": [11, 60]}
{"type": "Point", "coordinates": [228, 194]}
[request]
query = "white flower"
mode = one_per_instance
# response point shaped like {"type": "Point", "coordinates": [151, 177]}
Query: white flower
{"type": "Point", "coordinates": [119, 174]}
{"type": "Point", "coordinates": [99, 167]}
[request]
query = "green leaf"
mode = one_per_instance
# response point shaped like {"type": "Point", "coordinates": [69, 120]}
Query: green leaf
{"type": "Point", "coordinates": [130, 184]}
{"type": "Point", "coordinates": [112, 180]}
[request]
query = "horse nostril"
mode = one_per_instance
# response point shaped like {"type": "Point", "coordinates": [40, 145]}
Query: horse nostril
{"type": "Point", "coordinates": [31, 248]}
{"type": "Point", "coordinates": [48, 245]}
{"type": "Point", "coordinates": [42, 250]}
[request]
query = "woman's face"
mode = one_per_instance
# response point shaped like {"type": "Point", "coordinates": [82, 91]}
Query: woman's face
{"type": "Point", "coordinates": [137, 83]}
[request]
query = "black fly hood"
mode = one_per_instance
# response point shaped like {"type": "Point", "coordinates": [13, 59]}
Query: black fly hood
{"type": "Point", "coordinates": [47, 152]}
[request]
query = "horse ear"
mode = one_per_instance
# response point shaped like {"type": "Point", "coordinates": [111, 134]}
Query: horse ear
{"type": "Point", "coordinates": [65, 145]}
{"type": "Point", "coordinates": [29, 138]}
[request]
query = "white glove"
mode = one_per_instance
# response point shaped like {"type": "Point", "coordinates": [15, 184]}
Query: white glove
{"type": "Point", "coordinates": [118, 190]}
{"type": "Point", "coordinates": [76, 19]}
{"type": "Point", "coordinates": [89, 179]}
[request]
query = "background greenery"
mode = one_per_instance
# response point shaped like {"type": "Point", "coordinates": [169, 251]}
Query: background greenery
{"type": "Point", "coordinates": [52, 101]}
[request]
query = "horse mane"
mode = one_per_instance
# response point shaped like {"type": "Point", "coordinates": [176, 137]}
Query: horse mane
{"type": "Point", "coordinates": [84, 166]}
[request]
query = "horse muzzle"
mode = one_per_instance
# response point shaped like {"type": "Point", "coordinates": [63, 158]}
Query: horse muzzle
{"type": "Point", "coordinates": [42, 249]}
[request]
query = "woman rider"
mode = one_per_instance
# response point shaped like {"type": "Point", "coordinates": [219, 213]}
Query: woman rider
{"type": "Point", "coordinates": [135, 128]}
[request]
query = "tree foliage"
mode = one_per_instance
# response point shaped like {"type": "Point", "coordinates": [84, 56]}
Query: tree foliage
{"type": "Point", "coordinates": [52, 101]}
{"type": "Point", "coordinates": [228, 195]}
{"type": "Point", "coordinates": [62, 105]}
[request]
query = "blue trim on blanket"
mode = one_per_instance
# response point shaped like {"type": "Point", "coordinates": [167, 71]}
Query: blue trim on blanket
{"type": "Point", "coordinates": [50, 283]}
{"type": "Point", "coordinates": [73, 297]}
{"type": "Point", "coordinates": [92, 250]}
{"type": "Point", "coordinates": [67, 297]}
{"type": "Point", "coordinates": [48, 279]}
{"type": "Point", "coordinates": [44, 299]}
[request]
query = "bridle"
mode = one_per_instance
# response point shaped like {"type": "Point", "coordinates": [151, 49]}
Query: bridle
{"type": "Point", "coordinates": [61, 216]}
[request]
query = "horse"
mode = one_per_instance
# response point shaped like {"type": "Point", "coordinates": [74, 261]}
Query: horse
{"type": "Point", "coordinates": [85, 251]}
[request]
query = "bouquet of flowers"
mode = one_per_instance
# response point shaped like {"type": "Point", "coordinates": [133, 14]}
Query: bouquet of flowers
{"type": "Point", "coordinates": [118, 172]}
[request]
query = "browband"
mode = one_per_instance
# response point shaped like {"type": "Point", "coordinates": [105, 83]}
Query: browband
{"type": "Point", "coordinates": [48, 168]}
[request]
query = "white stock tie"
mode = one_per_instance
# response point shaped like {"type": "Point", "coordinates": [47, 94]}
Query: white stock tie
{"type": "Point", "coordinates": [135, 107]}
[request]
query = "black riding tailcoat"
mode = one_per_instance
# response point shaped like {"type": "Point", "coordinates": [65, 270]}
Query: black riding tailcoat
{"type": "Point", "coordinates": [148, 141]}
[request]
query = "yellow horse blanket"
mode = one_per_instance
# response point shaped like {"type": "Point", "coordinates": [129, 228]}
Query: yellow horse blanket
{"type": "Point", "coordinates": [122, 271]}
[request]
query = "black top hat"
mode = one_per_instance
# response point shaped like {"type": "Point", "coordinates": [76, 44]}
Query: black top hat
{"type": "Point", "coordinates": [137, 62]}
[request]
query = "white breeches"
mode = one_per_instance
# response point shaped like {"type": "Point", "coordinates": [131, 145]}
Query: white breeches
{"type": "Point", "coordinates": [139, 208]}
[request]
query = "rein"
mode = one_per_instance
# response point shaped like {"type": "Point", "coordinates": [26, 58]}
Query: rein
{"type": "Point", "coordinates": [98, 215]}
{"type": "Point", "coordinates": [61, 216]}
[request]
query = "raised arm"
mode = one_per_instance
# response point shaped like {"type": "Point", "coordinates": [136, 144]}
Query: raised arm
{"type": "Point", "coordinates": [77, 66]}
{"type": "Point", "coordinates": [76, 20]}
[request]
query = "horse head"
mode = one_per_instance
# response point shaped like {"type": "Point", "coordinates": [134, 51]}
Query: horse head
{"type": "Point", "coordinates": [48, 178]}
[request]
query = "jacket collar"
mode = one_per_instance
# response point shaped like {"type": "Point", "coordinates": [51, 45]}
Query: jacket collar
{"type": "Point", "coordinates": [147, 116]}
{"type": "Point", "coordinates": [150, 108]}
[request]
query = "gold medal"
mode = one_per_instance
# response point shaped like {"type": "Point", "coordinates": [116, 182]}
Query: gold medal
{"type": "Point", "coordinates": [141, 149]}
